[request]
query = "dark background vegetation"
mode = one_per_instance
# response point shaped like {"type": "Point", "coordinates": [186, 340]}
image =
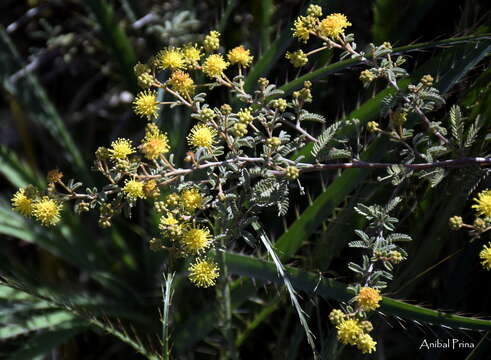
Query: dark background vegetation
{"type": "Point", "coordinates": [67, 87]}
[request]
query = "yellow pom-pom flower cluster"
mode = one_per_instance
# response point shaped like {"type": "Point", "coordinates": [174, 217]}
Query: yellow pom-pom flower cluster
{"type": "Point", "coordinates": [46, 211]}
{"type": "Point", "coordinates": [182, 82]}
{"type": "Point", "coordinates": [196, 240]}
{"type": "Point", "coordinates": [170, 58]}
{"type": "Point", "coordinates": [22, 203]}
{"type": "Point", "coordinates": [203, 273]}
{"type": "Point", "coordinates": [333, 25]}
{"type": "Point", "coordinates": [483, 203]}
{"type": "Point", "coordinates": [214, 66]}
{"type": "Point", "coordinates": [485, 256]}
{"type": "Point", "coordinates": [146, 104]}
{"type": "Point", "coordinates": [202, 136]}
{"type": "Point", "coordinates": [239, 55]}
{"type": "Point", "coordinates": [155, 143]}
{"type": "Point", "coordinates": [368, 298]}
{"type": "Point", "coordinates": [212, 41]}
{"type": "Point", "coordinates": [133, 189]}
{"type": "Point", "coordinates": [351, 331]}
{"type": "Point", "coordinates": [191, 199]}
{"type": "Point", "coordinates": [120, 149]}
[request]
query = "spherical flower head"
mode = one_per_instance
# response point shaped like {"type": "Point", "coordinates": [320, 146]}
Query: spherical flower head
{"type": "Point", "coordinates": [120, 149]}
{"type": "Point", "coordinates": [333, 25]}
{"type": "Point", "coordinates": [239, 129]}
{"type": "Point", "coordinates": [349, 331]}
{"type": "Point", "coordinates": [479, 224]}
{"type": "Point", "coordinates": [155, 143]}
{"type": "Point", "coordinates": [202, 136]}
{"type": "Point", "coordinates": [300, 29]}
{"type": "Point", "coordinates": [292, 172]}
{"type": "Point", "coordinates": [427, 80]}
{"type": "Point", "coordinates": [133, 189]}
{"type": "Point", "coordinates": [239, 55]}
{"type": "Point", "coordinates": [212, 41]}
{"type": "Point", "coordinates": [368, 298]}
{"type": "Point", "coordinates": [171, 226]}
{"type": "Point", "coordinates": [214, 66]}
{"type": "Point", "coordinates": [191, 199]}
{"type": "Point", "coordinates": [395, 257]}
{"type": "Point", "coordinates": [245, 116]}
{"type": "Point", "coordinates": [279, 104]}
{"type": "Point", "coordinates": [170, 58]}
{"type": "Point", "coordinates": [455, 222]}
{"type": "Point", "coordinates": [314, 10]}
{"type": "Point", "coordinates": [336, 316]}
{"type": "Point", "coordinates": [366, 344]}
{"type": "Point", "coordinates": [22, 203]}
{"type": "Point", "coordinates": [483, 203]}
{"type": "Point", "coordinates": [172, 199]}
{"type": "Point", "coordinates": [46, 211]}
{"type": "Point", "coordinates": [297, 58]}
{"type": "Point", "coordinates": [273, 142]}
{"type": "Point", "coordinates": [373, 126]}
{"type": "Point", "coordinates": [146, 80]}
{"type": "Point", "coordinates": [181, 82]}
{"type": "Point", "coordinates": [226, 109]}
{"type": "Point", "coordinates": [196, 240]}
{"type": "Point", "coordinates": [192, 55]}
{"type": "Point", "coordinates": [485, 256]}
{"type": "Point", "coordinates": [146, 104]}
{"type": "Point", "coordinates": [203, 273]}
{"type": "Point", "coordinates": [366, 77]}
{"type": "Point", "coordinates": [206, 114]}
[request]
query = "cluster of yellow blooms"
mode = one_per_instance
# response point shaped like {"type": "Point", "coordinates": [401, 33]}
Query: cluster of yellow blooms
{"type": "Point", "coordinates": [187, 238]}
{"type": "Point", "coordinates": [181, 61]}
{"type": "Point", "coordinates": [28, 202]}
{"type": "Point", "coordinates": [329, 29]}
{"type": "Point", "coordinates": [351, 328]}
{"type": "Point", "coordinates": [481, 224]}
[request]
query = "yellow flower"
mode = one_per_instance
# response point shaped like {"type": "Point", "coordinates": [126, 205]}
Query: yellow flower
{"type": "Point", "coordinates": [297, 58]}
{"type": "Point", "coordinates": [301, 30]}
{"type": "Point", "coordinates": [120, 149]}
{"type": "Point", "coordinates": [172, 226]}
{"type": "Point", "coordinates": [366, 344]}
{"type": "Point", "coordinates": [203, 273]}
{"type": "Point", "coordinates": [212, 41]}
{"type": "Point", "coordinates": [46, 211]}
{"type": "Point", "coordinates": [483, 203]}
{"type": "Point", "coordinates": [191, 199]}
{"type": "Point", "coordinates": [336, 316]}
{"type": "Point", "coordinates": [349, 331]}
{"type": "Point", "coordinates": [333, 25]}
{"type": "Point", "coordinates": [202, 136]}
{"type": "Point", "coordinates": [154, 143]}
{"type": "Point", "coordinates": [245, 116]}
{"type": "Point", "coordinates": [373, 126]}
{"type": "Point", "coordinates": [181, 82]}
{"type": "Point", "coordinates": [172, 199]}
{"type": "Point", "coordinates": [314, 10]}
{"type": "Point", "coordinates": [192, 55]}
{"type": "Point", "coordinates": [196, 240]}
{"type": "Point", "coordinates": [239, 55]}
{"type": "Point", "coordinates": [146, 104]}
{"type": "Point", "coordinates": [214, 66]}
{"type": "Point", "coordinates": [292, 172]}
{"type": "Point", "coordinates": [368, 298]}
{"type": "Point", "coordinates": [22, 203]}
{"type": "Point", "coordinates": [133, 189]}
{"type": "Point", "coordinates": [485, 255]}
{"type": "Point", "coordinates": [170, 58]}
